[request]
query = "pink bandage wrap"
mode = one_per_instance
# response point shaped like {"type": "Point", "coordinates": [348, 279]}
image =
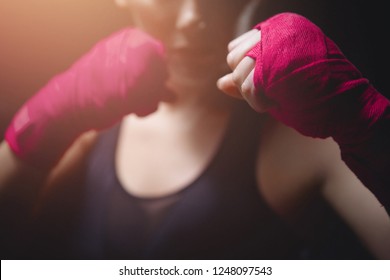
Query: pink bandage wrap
{"type": "Point", "coordinates": [318, 92]}
{"type": "Point", "coordinates": [124, 73]}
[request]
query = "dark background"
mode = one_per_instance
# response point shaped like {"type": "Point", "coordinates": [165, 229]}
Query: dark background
{"type": "Point", "coordinates": [40, 38]}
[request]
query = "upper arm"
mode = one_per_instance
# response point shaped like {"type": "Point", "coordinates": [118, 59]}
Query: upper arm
{"type": "Point", "coordinates": [293, 169]}
{"type": "Point", "coordinates": [357, 206]}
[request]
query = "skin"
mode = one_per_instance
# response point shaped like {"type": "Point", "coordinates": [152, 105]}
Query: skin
{"type": "Point", "coordinates": [290, 167]}
{"type": "Point", "coordinates": [196, 121]}
{"type": "Point", "coordinates": [183, 135]}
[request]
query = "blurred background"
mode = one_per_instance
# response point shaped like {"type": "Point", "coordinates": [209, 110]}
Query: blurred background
{"type": "Point", "coordinates": [40, 38]}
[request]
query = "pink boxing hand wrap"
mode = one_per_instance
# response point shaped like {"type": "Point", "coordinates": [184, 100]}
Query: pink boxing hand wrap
{"type": "Point", "coordinates": [309, 79]}
{"type": "Point", "coordinates": [320, 93]}
{"type": "Point", "coordinates": [125, 73]}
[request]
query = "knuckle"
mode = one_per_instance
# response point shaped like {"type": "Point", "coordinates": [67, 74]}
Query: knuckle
{"type": "Point", "coordinates": [236, 77]}
{"type": "Point", "coordinates": [246, 88]}
{"type": "Point", "coordinates": [231, 60]}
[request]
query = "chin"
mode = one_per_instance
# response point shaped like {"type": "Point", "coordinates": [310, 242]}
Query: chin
{"type": "Point", "coordinates": [202, 77]}
{"type": "Point", "coordinates": [190, 83]}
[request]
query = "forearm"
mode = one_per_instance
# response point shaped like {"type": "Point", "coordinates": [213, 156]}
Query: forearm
{"type": "Point", "coordinates": [17, 176]}
{"type": "Point", "coordinates": [369, 158]}
{"type": "Point", "coordinates": [20, 181]}
{"type": "Point", "coordinates": [20, 184]}
{"type": "Point", "coordinates": [19, 188]}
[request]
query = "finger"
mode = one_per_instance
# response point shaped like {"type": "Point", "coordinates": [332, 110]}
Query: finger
{"type": "Point", "coordinates": [227, 85]}
{"type": "Point", "coordinates": [242, 71]}
{"type": "Point", "coordinates": [234, 43]}
{"type": "Point", "coordinates": [255, 97]}
{"type": "Point", "coordinates": [239, 52]}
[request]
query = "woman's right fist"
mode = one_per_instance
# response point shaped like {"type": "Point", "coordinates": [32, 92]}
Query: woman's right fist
{"type": "Point", "coordinates": [124, 73]}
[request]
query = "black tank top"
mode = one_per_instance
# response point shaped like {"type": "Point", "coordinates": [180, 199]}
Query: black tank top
{"type": "Point", "coordinates": [220, 215]}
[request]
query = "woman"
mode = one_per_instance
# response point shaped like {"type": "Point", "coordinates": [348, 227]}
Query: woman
{"type": "Point", "coordinates": [200, 176]}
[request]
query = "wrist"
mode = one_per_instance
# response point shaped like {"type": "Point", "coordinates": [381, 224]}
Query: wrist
{"type": "Point", "coordinates": [367, 112]}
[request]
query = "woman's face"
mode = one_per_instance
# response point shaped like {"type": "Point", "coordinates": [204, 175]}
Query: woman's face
{"type": "Point", "coordinates": [195, 34]}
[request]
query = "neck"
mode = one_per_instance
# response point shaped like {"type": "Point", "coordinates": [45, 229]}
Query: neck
{"type": "Point", "coordinates": [200, 100]}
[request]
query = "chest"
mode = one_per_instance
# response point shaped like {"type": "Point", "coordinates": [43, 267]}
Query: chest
{"type": "Point", "coordinates": [163, 161]}
{"type": "Point", "coordinates": [155, 159]}
{"type": "Point", "coordinates": [217, 205]}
